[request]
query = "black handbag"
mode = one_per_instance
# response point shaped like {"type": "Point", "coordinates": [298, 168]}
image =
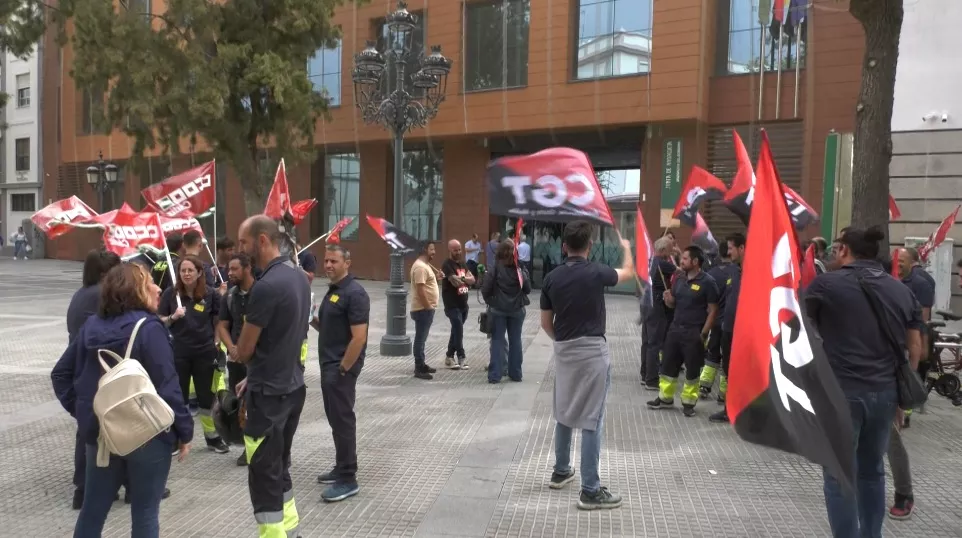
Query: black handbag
{"type": "Point", "coordinates": [911, 390]}
{"type": "Point", "coordinates": [484, 322]}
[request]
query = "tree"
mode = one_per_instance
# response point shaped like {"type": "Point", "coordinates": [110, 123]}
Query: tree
{"type": "Point", "coordinates": [23, 24]}
{"type": "Point", "coordinates": [232, 74]}
{"type": "Point", "coordinates": [882, 22]}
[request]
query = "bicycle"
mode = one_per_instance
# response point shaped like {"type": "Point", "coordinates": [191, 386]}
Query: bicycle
{"type": "Point", "coordinates": [945, 359]}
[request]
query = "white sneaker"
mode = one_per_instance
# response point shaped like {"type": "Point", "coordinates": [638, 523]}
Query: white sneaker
{"type": "Point", "coordinates": [449, 362]}
{"type": "Point", "coordinates": [462, 365]}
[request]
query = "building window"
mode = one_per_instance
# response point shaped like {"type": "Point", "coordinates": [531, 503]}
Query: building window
{"type": "Point", "coordinates": [342, 192]}
{"type": "Point", "coordinates": [91, 111]}
{"type": "Point", "coordinates": [423, 190]}
{"type": "Point", "coordinates": [496, 44]}
{"type": "Point", "coordinates": [23, 90]}
{"type": "Point", "coordinates": [26, 203]}
{"type": "Point", "coordinates": [413, 59]}
{"type": "Point", "coordinates": [22, 153]}
{"type": "Point", "coordinates": [614, 38]}
{"type": "Point", "coordinates": [324, 72]}
{"type": "Point", "coordinates": [753, 42]}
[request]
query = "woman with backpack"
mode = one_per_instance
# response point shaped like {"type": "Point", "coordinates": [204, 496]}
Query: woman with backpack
{"type": "Point", "coordinates": [191, 310]}
{"type": "Point", "coordinates": [505, 290]}
{"type": "Point", "coordinates": [128, 298]}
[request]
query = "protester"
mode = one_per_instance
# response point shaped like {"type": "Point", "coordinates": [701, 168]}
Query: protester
{"type": "Point", "coordinates": [721, 273]}
{"type": "Point", "coordinates": [472, 254]}
{"type": "Point", "coordinates": [489, 251]}
{"type": "Point", "coordinates": [524, 254]}
{"type": "Point", "coordinates": [659, 316]}
{"type": "Point", "coordinates": [454, 294]}
{"type": "Point", "coordinates": [424, 301]}
{"type": "Point", "coordinates": [308, 263]}
{"type": "Point", "coordinates": [225, 249]}
{"type": "Point", "coordinates": [864, 361]}
{"type": "Point", "coordinates": [127, 296]}
{"type": "Point", "coordinates": [736, 251]}
{"type": "Point", "coordinates": [505, 290]}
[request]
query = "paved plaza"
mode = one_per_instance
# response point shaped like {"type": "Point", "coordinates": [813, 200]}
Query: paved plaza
{"type": "Point", "coordinates": [452, 457]}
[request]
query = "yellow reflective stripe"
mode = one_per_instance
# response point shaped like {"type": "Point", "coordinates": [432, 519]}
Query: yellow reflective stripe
{"type": "Point", "coordinates": [723, 384]}
{"type": "Point", "coordinates": [207, 424]}
{"type": "Point", "coordinates": [217, 383]}
{"type": "Point", "coordinates": [271, 530]}
{"type": "Point", "coordinates": [304, 352]}
{"type": "Point", "coordinates": [708, 374]}
{"type": "Point", "coordinates": [689, 392]}
{"type": "Point", "coordinates": [291, 519]}
{"type": "Point", "coordinates": [192, 393]}
{"type": "Point", "coordinates": [250, 446]}
{"type": "Point", "coordinates": [223, 347]}
{"type": "Point", "coordinates": [666, 388]}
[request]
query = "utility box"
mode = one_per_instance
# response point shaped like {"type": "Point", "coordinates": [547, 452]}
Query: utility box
{"type": "Point", "coordinates": [939, 265]}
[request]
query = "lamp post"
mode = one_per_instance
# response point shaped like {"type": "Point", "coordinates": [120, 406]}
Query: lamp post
{"type": "Point", "coordinates": [101, 176]}
{"type": "Point", "coordinates": [386, 102]}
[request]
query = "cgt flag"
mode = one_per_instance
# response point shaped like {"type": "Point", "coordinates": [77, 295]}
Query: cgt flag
{"type": "Point", "coordinates": [554, 185]}
{"type": "Point", "coordinates": [702, 186]}
{"type": "Point", "coordinates": [782, 392]}
{"type": "Point", "coordinates": [643, 261]}
{"type": "Point", "coordinates": [938, 236]}
{"type": "Point", "coordinates": [188, 194]}
{"type": "Point", "coordinates": [395, 238]}
{"type": "Point", "coordinates": [129, 231]}
{"type": "Point", "coordinates": [62, 216]}
{"type": "Point", "coordinates": [300, 209]}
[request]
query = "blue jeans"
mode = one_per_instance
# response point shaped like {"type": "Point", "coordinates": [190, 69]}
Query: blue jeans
{"type": "Point", "coordinates": [422, 326]}
{"type": "Point", "coordinates": [457, 316]}
{"type": "Point", "coordinates": [500, 324]}
{"type": "Point", "coordinates": [590, 448]}
{"type": "Point", "coordinates": [862, 516]}
{"type": "Point", "coordinates": [146, 470]}
{"type": "Point", "coordinates": [20, 249]}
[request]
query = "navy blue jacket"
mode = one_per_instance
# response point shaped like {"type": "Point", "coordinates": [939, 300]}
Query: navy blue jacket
{"type": "Point", "coordinates": [78, 371]}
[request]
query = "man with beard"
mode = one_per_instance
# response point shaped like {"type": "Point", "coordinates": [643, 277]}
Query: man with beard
{"type": "Point", "coordinates": [454, 293]}
{"type": "Point", "coordinates": [424, 301]}
{"type": "Point", "coordinates": [273, 345]}
{"type": "Point", "coordinates": [233, 309]}
{"type": "Point", "coordinates": [736, 252]}
{"type": "Point", "coordinates": [721, 273]}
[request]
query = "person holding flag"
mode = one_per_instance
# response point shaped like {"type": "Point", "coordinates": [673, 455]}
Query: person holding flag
{"type": "Point", "coordinates": [736, 253]}
{"type": "Point", "coordinates": [721, 272]}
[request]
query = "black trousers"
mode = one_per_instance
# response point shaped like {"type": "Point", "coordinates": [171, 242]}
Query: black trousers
{"type": "Point", "coordinates": [683, 345]}
{"type": "Point", "coordinates": [338, 392]}
{"type": "Point", "coordinates": [235, 373]}
{"type": "Point", "coordinates": [268, 436]}
{"type": "Point", "coordinates": [200, 367]}
{"type": "Point", "coordinates": [726, 347]}
{"type": "Point", "coordinates": [713, 351]}
{"type": "Point", "coordinates": [656, 330]}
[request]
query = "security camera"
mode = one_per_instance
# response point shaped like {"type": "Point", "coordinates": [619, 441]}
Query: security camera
{"type": "Point", "coordinates": [930, 116]}
{"type": "Point", "coordinates": [945, 117]}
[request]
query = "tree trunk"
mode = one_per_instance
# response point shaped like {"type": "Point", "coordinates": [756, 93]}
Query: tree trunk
{"type": "Point", "coordinates": [882, 22]}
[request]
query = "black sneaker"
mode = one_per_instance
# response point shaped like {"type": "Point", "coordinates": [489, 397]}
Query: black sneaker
{"type": "Point", "coordinates": [327, 478]}
{"type": "Point", "coordinates": [423, 374]}
{"type": "Point", "coordinates": [217, 445]}
{"type": "Point", "coordinates": [704, 393]}
{"type": "Point", "coordinates": [242, 460]}
{"type": "Point", "coordinates": [601, 499]}
{"type": "Point", "coordinates": [720, 417]}
{"type": "Point", "coordinates": [658, 403]}
{"type": "Point", "coordinates": [429, 370]}
{"type": "Point", "coordinates": [559, 480]}
{"type": "Point", "coordinates": [651, 387]}
{"type": "Point", "coordinates": [688, 409]}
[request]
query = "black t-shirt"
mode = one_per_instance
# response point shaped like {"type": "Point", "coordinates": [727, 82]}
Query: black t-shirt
{"type": "Point", "coordinates": [575, 292]}
{"type": "Point", "coordinates": [454, 296]}
{"type": "Point", "coordinates": [692, 297]}
{"type": "Point", "coordinates": [722, 275]}
{"type": "Point", "coordinates": [345, 304]}
{"type": "Point", "coordinates": [193, 334]}
{"type": "Point", "coordinates": [308, 261]}
{"type": "Point", "coordinates": [280, 304]}
{"type": "Point", "coordinates": [731, 298]}
{"type": "Point", "coordinates": [233, 308]}
{"type": "Point", "coordinates": [922, 285]}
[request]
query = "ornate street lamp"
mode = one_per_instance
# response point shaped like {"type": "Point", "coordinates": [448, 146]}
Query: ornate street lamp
{"type": "Point", "coordinates": [102, 176]}
{"type": "Point", "coordinates": [387, 102]}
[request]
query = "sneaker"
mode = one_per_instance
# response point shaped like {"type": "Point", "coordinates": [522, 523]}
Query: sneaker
{"type": "Point", "coordinates": [217, 445]}
{"type": "Point", "coordinates": [164, 496]}
{"type": "Point", "coordinates": [339, 492]}
{"type": "Point", "coordinates": [175, 453]}
{"type": "Point", "coordinates": [658, 403]}
{"type": "Point", "coordinates": [449, 362]}
{"type": "Point", "coordinates": [327, 478]}
{"type": "Point", "coordinates": [721, 417]}
{"type": "Point", "coordinates": [704, 393]}
{"type": "Point", "coordinates": [462, 365]}
{"type": "Point", "coordinates": [559, 480]}
{"type": "Point", "coordinates": [423, 374]}
{"type": "Point", "coordinates": [651, 387]}
{"type": "Point", "coordinates": [688, 409]}
{"type": "Point", "coordinates": [429, 370]}
{"type": "Point", "coordinates": [599, 500]}
{"type": "Point", "coordinates": [902, 509]}
{"type": "Point", "coordinates": [242, 460]}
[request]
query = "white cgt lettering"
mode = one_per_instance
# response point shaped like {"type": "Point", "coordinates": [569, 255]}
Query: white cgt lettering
{"type": "Point", "coordinates": [179, 224]}
{"type": "Point", "coordinates": [391, 239]}
{"type": "Point", "coordinates": [124, 234]}
{"type": "Point", "coordinates": [797, 353]}
{"type": "Point", "coordinates": [72, 214]}
{"type": "Point", "coordinates": [179, 199]}
{"type": "Point", "coordinates": [553, 197]}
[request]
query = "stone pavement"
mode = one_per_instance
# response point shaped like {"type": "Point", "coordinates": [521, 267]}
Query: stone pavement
{"type": "Point", "coordinates": [450, 457]}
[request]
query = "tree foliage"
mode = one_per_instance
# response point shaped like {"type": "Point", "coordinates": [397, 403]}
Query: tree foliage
{"type": "Point", "coordinates": [231, 73]}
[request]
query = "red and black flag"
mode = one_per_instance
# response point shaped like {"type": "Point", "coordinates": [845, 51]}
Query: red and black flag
{"type": "Point", "coordinates": [782, 392]}
{"type": "Point", "coordinates": [701, 187]}
{"type": "Point", "coordinates": [702, 237]}
{"type": "Point", "coordinates": [644, 262]}
{"type": "Point", "coordinates": [939, 235]}
{"type": "Point", "coordinates": [398, 240]}
{"type": "Point", "coordinates": [554, 185]}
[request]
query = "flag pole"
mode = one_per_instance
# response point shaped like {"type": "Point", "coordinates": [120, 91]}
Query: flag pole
{"type": "Point", "coordinates": [311, 244]}
{"type": "Point", "coordinates": [173, 276]}
{"type": "Point", "coordinates": [211, 254]}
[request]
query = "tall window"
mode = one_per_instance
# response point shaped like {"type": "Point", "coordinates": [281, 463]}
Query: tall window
{"type": "Point", "coordinates": [418, 48]}
{"type": "Point", "coordinates": [753, 35]}
{"type": "Point", "coordinates": [91, 110]}
{"type": "Point", "coordinates": [22, 151]}
{"type": "Point", "coordinates": [23, 202]}
{"type": "Point", "coordinates": [324, 71]}
{"type": "Point", "coordinates": [423, 190]}
{"type": "Point", "coordinates": [23, 90]}
{"type": "Point", "coordinates": [614, 38]}
{"type": "Point", "coordinates": [496, 39]}
{"type": "Point", "coordinates": [342, 192]}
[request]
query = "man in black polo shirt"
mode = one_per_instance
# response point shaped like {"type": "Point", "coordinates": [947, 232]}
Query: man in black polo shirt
{"type": "Point", "coordinates": [736, 251]}
{"type": "Point", "coordinates": [573, 315]}
{"type": "Point", "coordinates": [694, 296]}
{"type": "Point", "coordinates": [721, 274]}
{"type": "Point", "coordinates": [659, 316]}
{"type": "Point", "coordinates": [341, 324]}
{"type": "Point", "coordinates": [273, 344]}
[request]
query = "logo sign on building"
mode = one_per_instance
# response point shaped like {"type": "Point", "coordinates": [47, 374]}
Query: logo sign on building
{"type": "Point", "coordinates": [670, 180]}
{"type": "Point", "coordinates": [188, 194]}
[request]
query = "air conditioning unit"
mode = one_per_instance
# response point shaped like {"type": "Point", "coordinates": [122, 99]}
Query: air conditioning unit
{"type": "Point", "coordinates": [939, 265]}
{"type": "Point", "coordinates": [22, 175]}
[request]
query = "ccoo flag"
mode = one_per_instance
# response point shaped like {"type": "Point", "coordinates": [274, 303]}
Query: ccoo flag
{"type": "Point", "coordinates": [782, 392]}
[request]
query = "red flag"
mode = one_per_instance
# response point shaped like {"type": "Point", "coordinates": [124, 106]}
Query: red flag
{"type": "Point", "coordinates": [702, 236]}
{"type": "Point", "coordinates": [895, 264]}
{"type": "Point", "coordinates": [808, 266]}
{"type": "Point", "coordinates": [643, 257]}
{"type": "Point", "coordinates": [61, 216]}
{"type": "Point", "coordinates": [702, 186]}
{"type": "Point", "coordinates": [894, 212]}
{"type": "Point", "coordinates": [187, 194]}
{"type": "Point", "coordinates": [279, 199]}
{"type": "Point", "coordinates": [127, 231]}
{"type": "Point", "coordinates": [782, 392]}
{"type": "Point", "coordinates": [334, 236]}
{"type": "Point", "coordinates": [179, 225]}
{"type": "Point", "coordinates": [300, 209]}
{"type": "Point", "coordinates": [938, 235]}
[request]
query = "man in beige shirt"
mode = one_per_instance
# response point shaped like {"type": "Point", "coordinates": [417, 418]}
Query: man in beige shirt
{"type": "Point", "coordinates": [424, 300]}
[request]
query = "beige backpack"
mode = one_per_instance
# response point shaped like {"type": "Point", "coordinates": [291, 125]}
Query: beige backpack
{"type": "Point", "coordinates": [130, 411]}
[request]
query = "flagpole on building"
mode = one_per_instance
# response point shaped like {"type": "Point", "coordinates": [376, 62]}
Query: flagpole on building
{"type": "Point", "coordinates": [761, 69]}
{"type": "Point", "coordinates": [214, 183]}
{"type": "Point", "coordinates": [778, 77]}
{"type": "Point", "coordinates": [798, 58]}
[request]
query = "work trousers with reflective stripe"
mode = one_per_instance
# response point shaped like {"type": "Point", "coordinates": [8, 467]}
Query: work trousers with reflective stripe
{"type": "Point", "coordinates": [200, 368]}
{"type": "Point", "coordinates": [713, 358]}
{"type": "Point", "coordinates": [268, 436]}
{"type": "Point", "coordinates": [683, 345]}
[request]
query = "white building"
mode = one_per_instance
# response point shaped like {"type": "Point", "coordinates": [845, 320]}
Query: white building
{"type": "Point", "coordinates": [20, 159]}
{"type": "Point", "coordinates": [926, 169]}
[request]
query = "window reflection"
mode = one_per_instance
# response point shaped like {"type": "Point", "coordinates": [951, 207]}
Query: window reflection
{"type": "Point", "coordinates": [324, 72]}
{"type": "Point", "coordinates": [342, 192]}
{"type": "Point", "coordinates": [753, 35]}
{"type": "Point", "coordinates": [423, 190]}
{"type": "Point", "coordinates": [496, 39]}
{"type": "Point", "coordinates": [614, 38]}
